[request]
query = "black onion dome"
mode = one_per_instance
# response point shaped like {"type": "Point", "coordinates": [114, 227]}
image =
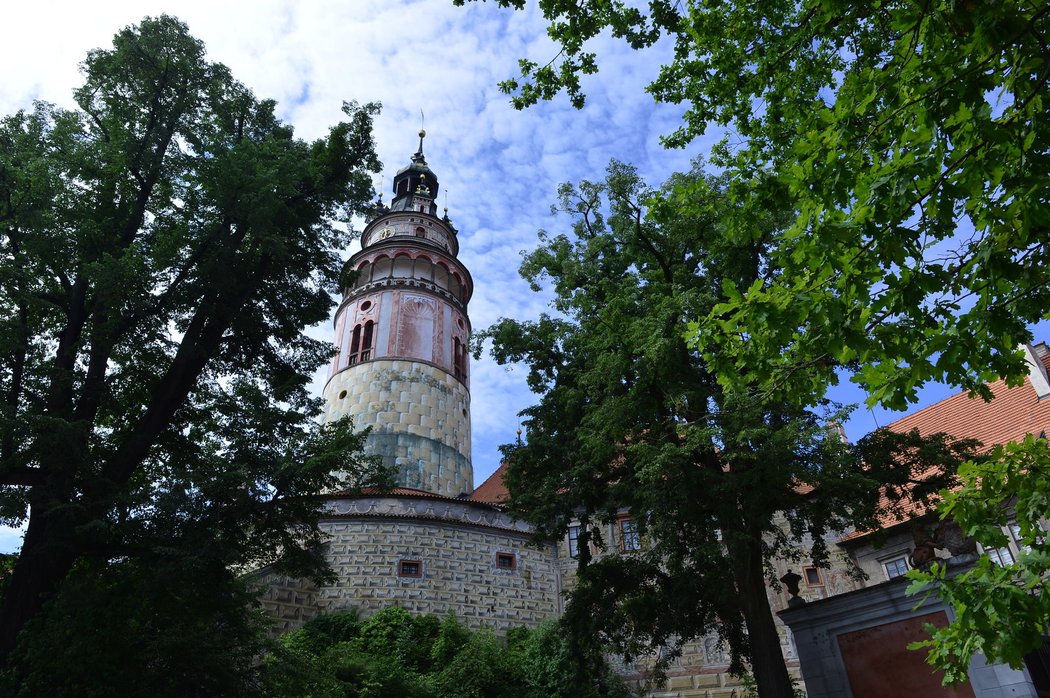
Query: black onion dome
{"type": "Point", "coordinates": [415, 179]}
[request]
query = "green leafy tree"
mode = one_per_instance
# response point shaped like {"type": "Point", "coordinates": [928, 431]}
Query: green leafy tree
{"type": "Point", "coordinates": [914, 142]}
{"type": "Point", "coordinates": [337, 655]}
{"type": "Point", "coordinates": [631, 418]}
{"type": "Point", "coordinates": [548, 662]}
{"type": "Point", "coordinates": [1001, 610]}
{"type": "Point", "coordinates": [162, 247]}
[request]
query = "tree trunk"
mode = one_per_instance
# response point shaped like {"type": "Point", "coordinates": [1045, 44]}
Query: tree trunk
{"type": "Point", "coordinates": [46, 558]}
{"type": "Point", "coordinates": [767, 658]}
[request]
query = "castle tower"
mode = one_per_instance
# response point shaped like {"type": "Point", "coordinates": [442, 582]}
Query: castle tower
{"type": "Point", "coordinates": [402, 330]}
{"type": "Point", "coordinates": [401, 369]}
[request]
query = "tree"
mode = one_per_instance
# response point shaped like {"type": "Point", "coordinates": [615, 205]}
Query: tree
{"type": "Point", "coordinates": [162, 247]}
{"type": "Point", "coordinates": [1010, 487]}
{"type": "Point", "coordinates": [631, 418]}
{"type": "Point", "coordinates": [913, 142]}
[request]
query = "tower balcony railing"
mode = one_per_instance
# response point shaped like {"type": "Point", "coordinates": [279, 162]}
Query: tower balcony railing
{"type": "Point", "coordinates": [408, 282]}
{"type": "Point", "coordinates": [363, 355]}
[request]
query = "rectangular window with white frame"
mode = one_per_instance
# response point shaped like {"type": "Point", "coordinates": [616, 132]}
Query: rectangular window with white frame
{"type": "Point", "coordinates": [895, 566]}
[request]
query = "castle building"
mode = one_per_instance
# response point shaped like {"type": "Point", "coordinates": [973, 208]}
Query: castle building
{"type": "Point", "coordinates": [433, 544]}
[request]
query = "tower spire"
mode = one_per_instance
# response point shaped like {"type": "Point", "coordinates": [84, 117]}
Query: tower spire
{"type": "Point", "coordinates": [418, 157]}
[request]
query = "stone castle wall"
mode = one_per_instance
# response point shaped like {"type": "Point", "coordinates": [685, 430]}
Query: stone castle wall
{"type": "Point", "coordinates": [420, 419]}
{"type": "Point", "coordinates": [456, 546]}
{"type": "Point", "coordinates": [288, 601]}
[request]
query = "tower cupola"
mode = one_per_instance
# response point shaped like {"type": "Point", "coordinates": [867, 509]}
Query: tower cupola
{"type": "Point", "coordinates": [416, 186]}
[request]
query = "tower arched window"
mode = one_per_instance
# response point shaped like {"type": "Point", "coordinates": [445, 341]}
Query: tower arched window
{"type": "Point", "coordinates": [383, 268]}
{"type": "Point", "coordinates": [423, 269]}
{"type": "Point", "coordinates": [364, 274]}
{"type": "Point", "coordinates": [366, 341]}
{"type": "Point", "coordinates": [361, 343]}
{"type": "Point", "coordinates": [402, 267]}
{"type": "Point", "coordinates": [355, 345]}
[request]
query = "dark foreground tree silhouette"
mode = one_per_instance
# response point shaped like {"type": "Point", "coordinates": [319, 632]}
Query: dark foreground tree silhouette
{"type": "Point", "coordinates": [631, 418]}
{"type": "Point", "coordinates": [162, 248]}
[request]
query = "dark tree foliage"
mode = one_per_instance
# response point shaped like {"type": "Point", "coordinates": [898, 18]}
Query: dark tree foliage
{"type": "Point", "coordinates": [162, 247]}
{"type": "Point", "coordinates": [632, 418]}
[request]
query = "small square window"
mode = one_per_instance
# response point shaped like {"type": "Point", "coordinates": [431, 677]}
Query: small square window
{"type": "Point", "coordinates": [409, 568]}
{"type": "Point", "coordinates": [812, 577]}
{"type": "Point", "coordinates": [896, 567]}
{"type": "Point", "coordinates": [506, 561]}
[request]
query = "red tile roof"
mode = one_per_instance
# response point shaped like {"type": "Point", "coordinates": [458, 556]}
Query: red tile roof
{"type": "Point", "coordinates": [1012, 414]}
{"type": "Point", "coordinates": [493, 490]}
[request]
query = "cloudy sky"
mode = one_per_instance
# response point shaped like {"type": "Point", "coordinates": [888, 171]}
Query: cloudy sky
{"type": "Point", "coordinates": [499, 167]}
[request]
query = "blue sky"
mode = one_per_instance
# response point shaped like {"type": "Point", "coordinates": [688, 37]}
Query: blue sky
{"type": "Point", "coordinates": [499, 167]}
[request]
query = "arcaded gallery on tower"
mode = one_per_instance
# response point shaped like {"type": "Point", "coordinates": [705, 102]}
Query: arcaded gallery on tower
{"type": "Point", "coordinates": [433, 544]}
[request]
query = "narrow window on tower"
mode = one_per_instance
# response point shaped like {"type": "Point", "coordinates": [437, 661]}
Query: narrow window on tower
{"type": "Point", "coordinates": [355, 346]}
{"type": "Point", "coordinates": [459, 363]}
{"type": "Point", "coordinates": [366, 341]}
